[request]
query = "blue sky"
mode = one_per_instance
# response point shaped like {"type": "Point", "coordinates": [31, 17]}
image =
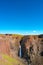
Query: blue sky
{"type": "Point", "coordinates": [21, 16]}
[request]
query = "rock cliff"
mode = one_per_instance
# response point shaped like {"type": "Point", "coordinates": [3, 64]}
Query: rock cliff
{"type": "Point", "coordinates": [31, 47]}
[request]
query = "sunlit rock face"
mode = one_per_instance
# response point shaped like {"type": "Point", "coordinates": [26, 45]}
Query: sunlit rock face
{"type": "Point", "coordinates": [4, 46]}
{"type": "Point", "coordinates": [9, 44]}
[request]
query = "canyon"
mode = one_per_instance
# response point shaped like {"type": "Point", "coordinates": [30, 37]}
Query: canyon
{"type": "Point", "coordinates": [31, 48]}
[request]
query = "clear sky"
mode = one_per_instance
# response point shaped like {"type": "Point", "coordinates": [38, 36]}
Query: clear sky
{"type": "Point", "coordinates": [21, 16]}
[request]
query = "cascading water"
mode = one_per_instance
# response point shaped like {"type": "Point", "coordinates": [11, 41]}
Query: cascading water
{"type": "Point", "coordinates": [20, 53]}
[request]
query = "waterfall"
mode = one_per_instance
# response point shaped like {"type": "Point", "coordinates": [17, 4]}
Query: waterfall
{"type": "Point", "coordinates": [20, 53]}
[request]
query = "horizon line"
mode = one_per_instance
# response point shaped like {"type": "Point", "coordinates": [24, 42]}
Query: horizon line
{"type": "Point", "coordinates": [34, 32]}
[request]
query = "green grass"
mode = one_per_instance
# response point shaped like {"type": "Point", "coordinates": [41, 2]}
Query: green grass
{"type": "Point", "coordinates": [7, 60]}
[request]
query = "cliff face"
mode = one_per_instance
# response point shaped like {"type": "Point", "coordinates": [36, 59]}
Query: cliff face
{"type": "Point", "coordinates": [4, 46]}
{"type": "Point", "coordinates": [31, 46]}
{"type": "Point", "coordinates": [34, 48]}
{"type": "Point", "coordinates": [9, 44]}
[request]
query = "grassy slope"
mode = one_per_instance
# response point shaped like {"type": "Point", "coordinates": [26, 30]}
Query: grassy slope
{"type": "Point", "coordinates": [6, 60]}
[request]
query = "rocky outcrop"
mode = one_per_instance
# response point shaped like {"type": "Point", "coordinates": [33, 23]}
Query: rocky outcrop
{"type": "Point", "coordinates": [34, 48]}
